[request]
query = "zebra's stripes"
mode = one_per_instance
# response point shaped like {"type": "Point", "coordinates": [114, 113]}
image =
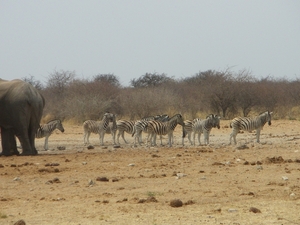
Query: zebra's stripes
{"type": "Point", "coordinates": [100, 127]}
{"type": "Point", "coordinates": [188, 127]}
{"type": "Point", "coordinates": [162, 128]}
{"type": "Point", "coordinates": [249, 124]}
{"type": "Point", "coordinates": [46, 130]}
{"type": "Point", "coordinates": [141, 125]}
{"type": "Point", "coordinates": [111, 129]}
{"type": "Point", "coordinates": [205, 127]}
{"type": "Point", "coordinates": [124, 126]}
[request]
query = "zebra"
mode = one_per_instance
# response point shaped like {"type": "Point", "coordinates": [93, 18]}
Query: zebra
{"type": "Point", "coordinates": [124, 126]}
{"type": "Point", "coordinates": [188, 127]}
{"type": "Point", "coordinates": [162, 128]}
{"type": "Point", "coordinates": [205, 127]}
{"type": "Point", "coordinates": [46, 130]}
{"type": "Point", "coordinates": [142, 124]}
{"type": "Point", "coordinates": [249, 124]}
{"type": "Point", "coordinates": [111, 129]}
{"type": "Point", "coordinates": [100, 127]}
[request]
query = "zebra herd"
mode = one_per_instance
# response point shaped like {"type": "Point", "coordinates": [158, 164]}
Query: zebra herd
{"type": "Point", "coordinates": [159, 125]}
{"type": "Point", "coordinates": [165, 125]}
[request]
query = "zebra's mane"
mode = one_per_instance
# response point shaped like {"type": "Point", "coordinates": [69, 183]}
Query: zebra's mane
{"type": "Point", "coordinates": [176, 115]}
{"type": "Point", "coordinates": [268, 112]}
{"type": "Point", "coordinates": [53, 121]}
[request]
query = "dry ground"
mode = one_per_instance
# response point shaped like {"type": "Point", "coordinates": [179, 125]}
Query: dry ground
{"type": "Point", "coordinates": [218, 184]}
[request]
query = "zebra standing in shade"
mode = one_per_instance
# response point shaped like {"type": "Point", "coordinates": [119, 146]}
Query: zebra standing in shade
{"type": "Point", "coordinates": [205, 127]}
{"type": "Point", "coordinates": [248, 124]}
{"type": "Point", "coordinates": [141, 125]}
{"type": "Point", "coordinates": [188, 127]}
{"type": "Point", "coordinates": [46, 130]}
{"type": "Point", "coordinates": [162, 128]}
{"type": "Point", "coordinates": [98, 127]}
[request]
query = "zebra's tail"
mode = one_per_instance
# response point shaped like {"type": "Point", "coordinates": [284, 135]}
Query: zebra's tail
{"type": "Point", "coordinates": [133, 132]}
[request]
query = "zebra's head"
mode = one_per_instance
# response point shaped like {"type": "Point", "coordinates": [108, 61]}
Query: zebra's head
{"type": "Point", "coordinates": [269, 117]}
{"type": "Point", "coordinates": [56, 124]}
{"type": "Point", "coordinates": [215, 120]}
{"type": "Point", "coordinates": [110, 117]}
{"type": "Point", "coordinates": [59, 126]}
{"type": "Point", "coordinates": [265, 117]}
{"type": "Point", "coordinates": [179, 119]}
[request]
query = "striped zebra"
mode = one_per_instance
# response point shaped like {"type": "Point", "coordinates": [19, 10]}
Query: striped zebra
{"type": "Point", "coordinates": [98, 127]}
{"type": "Point", "coordinates": [205, 127]}
{"type": "Point", "coordinates": [111, 129]}
{"type": "Point", "coordinates": [249, 124]}
{"type": "Point", "coordinates": [46, 130]}
{"type": "Point", "coordinates": [124, 126]}
{"type": "Point", "coordinates": [142, 124]}
{"type": "Point", "coordinates": [188, 127]}
{"type": "Point", "coordinates": [162, 128]}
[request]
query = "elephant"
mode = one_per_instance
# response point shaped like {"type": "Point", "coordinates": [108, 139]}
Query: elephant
{"type": "Point", "coordinates": [21, 110]}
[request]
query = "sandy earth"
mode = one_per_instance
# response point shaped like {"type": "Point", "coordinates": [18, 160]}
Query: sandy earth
{"type": "Point", "coordinates": [217, 184]}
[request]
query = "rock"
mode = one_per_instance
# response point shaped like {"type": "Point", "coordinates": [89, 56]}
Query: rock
{"type": "Point", "coordinates": [61, 147]}
{"type": "Point", "coordinates": [105, 179]}
{"type": "Point", "coordinates": [20, 222]}
{"type": "Point", "coordinates": [176, 203]}
{"type": "Point", "coordinates": [254, 210]}
{"type": "Point", "coordinates": [90, 147]}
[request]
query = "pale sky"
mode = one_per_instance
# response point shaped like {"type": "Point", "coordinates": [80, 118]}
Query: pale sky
{"type": "Point", "coordinates": [132, 37]}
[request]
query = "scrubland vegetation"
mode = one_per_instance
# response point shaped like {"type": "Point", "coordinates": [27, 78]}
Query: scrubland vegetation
{"type": "Point", "coordinates": [224, 93]}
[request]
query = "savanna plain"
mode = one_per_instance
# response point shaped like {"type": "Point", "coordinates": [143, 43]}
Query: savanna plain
{"type": "Point", "coordinates": [247, 183]}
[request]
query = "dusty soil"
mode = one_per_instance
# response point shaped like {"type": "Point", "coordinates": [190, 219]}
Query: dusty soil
{"type": "Point", "coordinates": [221, 184]}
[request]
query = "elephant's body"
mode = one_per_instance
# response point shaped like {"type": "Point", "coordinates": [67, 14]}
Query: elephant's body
{"type": "Point", "coordinates": [21, 109]}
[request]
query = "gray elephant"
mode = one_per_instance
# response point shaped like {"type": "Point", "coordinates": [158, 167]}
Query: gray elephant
{"type": "Point", "coordinates": [21, 109]}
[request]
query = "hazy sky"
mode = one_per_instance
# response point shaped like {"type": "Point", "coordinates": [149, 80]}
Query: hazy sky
{"type": "Point", "coordinates": [132, 37]}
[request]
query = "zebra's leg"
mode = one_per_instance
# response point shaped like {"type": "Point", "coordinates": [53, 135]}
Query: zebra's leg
{"type": "Point", "coordinates": [189, 137]}
{"type": "Point", "coordinates": [257, 135]}
{"type": "Point", "coordinates": [233, 135]}
{"type": "Point", "coordinates": [46, 143]}
{"type": "Point", "coordinates": [199, 136]}
{"type": "Point", "coordinates": [153, 139]}
{"type": "Point", "coordinates": [161, 140]}
{"type": "Point", "coordinates": [113, 134]}
{"type": "Point", "coordinates": [206, 137]}
{"type": "Point", "coordinates": [170, 135]}
{"type": "Point", "coordinates": [194, 136]}
{"type": "Point", "coordinates": [86, 138]}
{"type": "Point", "coordinates": [101, 137]}
{"type": "Point", "coordinates": [124, 137]}
{"type": "Point", "coordinates": [139, 136]}
{"type": "Point", "coordinates": [118, 136]}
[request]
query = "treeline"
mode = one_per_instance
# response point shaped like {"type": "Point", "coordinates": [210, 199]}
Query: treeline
{"type": "Point", "coordinates": [224, 93]}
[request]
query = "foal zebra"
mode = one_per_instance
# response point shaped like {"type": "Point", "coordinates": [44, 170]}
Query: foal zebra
{"type": "Point", "coordinates": [249, 124]}
{"type": "Point", "coordinates": [98, 127]}
{"type": "Point", "coordinates": [162, 128]}
{"type": "Point", "coordinates": [46, 130]}
{"type": "Point", "coordinates": [205, 126]}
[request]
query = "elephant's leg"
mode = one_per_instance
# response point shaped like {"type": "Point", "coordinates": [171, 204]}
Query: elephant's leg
{"type": "Point", "coordinates": [9, 145]}
{"type": "Point", "coordinates": [23, 137]}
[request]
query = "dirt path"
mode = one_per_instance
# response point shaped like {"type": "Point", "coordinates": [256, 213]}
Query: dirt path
{"type": "Point", "coordinates": [217, 184]}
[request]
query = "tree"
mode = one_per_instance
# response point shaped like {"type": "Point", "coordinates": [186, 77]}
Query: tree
{"type": "Point", "coordinates": [150, 80]}
{"type": "Point", "coordinates": [31, 80]}
{"type": "Point", "coordinates": [107, 79]}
